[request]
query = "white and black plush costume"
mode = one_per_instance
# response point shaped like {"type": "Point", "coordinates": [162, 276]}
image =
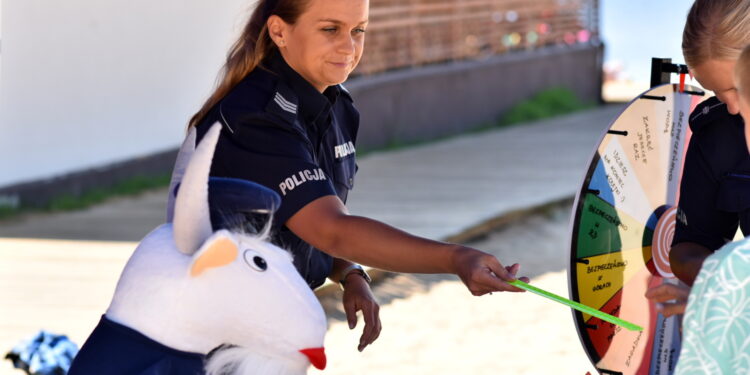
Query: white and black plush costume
{"type": "Point", "coordinates": [202, 283]}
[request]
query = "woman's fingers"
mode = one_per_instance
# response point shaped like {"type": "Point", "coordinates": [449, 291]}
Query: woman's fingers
{"type": "Point", "coordinates": [664, 293]}
{"type": "Point", "coordinates": [483, 273]}
{"type": "Point", "coordinates": [350, 308]}
{"type": "Point", "coordinates": [669, 309]}
{"type": "Point", "coordinates": [485, 281]}
{"type": "Point", "coordinates": [372, 325]}
{"type": "Point", "coordinates": [513, 270]}
{"type": "Point", "coordinates": [667, 292]}
{"type": "Point", "coordinates": [500, 276]}
{"type": "Point", "coordinates": [359, 297]}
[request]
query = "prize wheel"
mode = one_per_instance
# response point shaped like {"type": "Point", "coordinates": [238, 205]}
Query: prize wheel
{"type": "Point", "coordinates": [622, 228]}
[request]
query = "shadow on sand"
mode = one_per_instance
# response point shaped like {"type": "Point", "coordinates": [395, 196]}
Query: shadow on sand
{"type": "Point", "coordinates": [540, 243]}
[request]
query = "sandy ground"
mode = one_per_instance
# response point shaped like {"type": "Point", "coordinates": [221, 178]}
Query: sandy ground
{"type": "Point", "coordinates": [432, 325]}
{"type": "Point", "coordinates": [60, 286]}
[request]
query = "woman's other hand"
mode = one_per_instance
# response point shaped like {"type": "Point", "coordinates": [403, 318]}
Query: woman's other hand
{"type": "Point", "coordinates": [482, 273]}
{"type": "Point", "coordinates": [358, 297]}
{"type": "Point", "coordinates": [670, 299]}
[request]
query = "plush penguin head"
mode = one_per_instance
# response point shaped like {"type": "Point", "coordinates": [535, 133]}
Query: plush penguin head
{"type": "Point", "coordinates": [266, 307]}
{"type": "Point", "coordinates": [266, 312]}
{"type": "Point", "coordinates": [210, 281]}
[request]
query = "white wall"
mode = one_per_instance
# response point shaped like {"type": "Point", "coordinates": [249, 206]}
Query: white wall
{"type": "Point", "coordinates": [86, 83]}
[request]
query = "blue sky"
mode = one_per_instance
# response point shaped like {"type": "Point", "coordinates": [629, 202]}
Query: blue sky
{"type": "Point", "coordinates": [634, 31]}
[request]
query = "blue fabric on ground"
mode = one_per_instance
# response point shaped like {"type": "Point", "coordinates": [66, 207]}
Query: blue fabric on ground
{"type": "Point", "coordinates": [114, 349]}
{"type": "Point", "coordinates": [44, 354]}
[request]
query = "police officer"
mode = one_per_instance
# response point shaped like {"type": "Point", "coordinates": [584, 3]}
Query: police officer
{"type": "Point", "coordinates": [715, 186]}
{"type": "Point", "coordinates": [289, 125]}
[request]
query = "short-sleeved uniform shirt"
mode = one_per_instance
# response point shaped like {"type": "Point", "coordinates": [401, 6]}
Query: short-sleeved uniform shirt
{"type": "Point", "coordinates": [715, 186]}
{"type": "Point", "coordinates": [280, 132]}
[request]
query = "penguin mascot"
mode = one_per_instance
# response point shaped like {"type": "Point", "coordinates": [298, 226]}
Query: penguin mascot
{"type": "Point", "coordinates": [206, 293]}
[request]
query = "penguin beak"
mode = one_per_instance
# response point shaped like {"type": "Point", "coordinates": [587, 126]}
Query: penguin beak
{"type": "Point", "coordinates": [317, 357]}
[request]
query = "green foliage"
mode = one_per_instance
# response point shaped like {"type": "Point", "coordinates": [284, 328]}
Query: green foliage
{"type": "Point", "coordinates": [131, 186]}
{"type": "Point", "coordinates": [69, 202]}
{"type": "Point", "coordinates": [7, 212]}
{"type": "Point", "coordinates": [548, 103]}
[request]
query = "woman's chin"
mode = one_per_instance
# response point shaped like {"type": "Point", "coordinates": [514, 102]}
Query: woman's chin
{"type": "Point", "coordinates": [337, 76]}
{"type": "Point", "coordinates": [334, 82]}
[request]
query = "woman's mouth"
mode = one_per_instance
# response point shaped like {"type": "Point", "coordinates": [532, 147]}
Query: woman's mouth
{"type": "Point", "coordinates": [341, 65]}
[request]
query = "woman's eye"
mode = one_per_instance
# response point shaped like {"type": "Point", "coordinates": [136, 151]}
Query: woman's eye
{"type": "Point", "coordinates": [255, 261]}
{"type": "Point", "coordinates": [359, 31]}
{"type": "Point", "coordinates": [329, 29]}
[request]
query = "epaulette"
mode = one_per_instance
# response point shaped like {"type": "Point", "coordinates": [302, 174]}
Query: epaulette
{"type": "Point", "coordinates": [708, 111]}
{"type": "Point", "coordinates": [249, 98]}
{"type": "Point", "coordinates": [284, 103]}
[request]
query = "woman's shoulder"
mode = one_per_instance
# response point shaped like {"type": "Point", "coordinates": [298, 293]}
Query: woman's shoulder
{"type": "Point", "coordinates": [253, 92]}
{"type": "Point", "coordinates": [713, 112]}
{"type": "Point", "coordinates": [719, 134]}
{"type": "Point", "coordinates": [260, 98]}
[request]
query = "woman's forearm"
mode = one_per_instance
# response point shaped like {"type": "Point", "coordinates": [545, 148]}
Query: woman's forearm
{"type": "Point", "coordinates": [379, 245]}
{"type": "Point", "coordinates": [326, 224]}
{"type": "Point", "coordinates": [686, 260]}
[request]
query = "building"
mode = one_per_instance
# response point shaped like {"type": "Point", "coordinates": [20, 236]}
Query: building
{"type": "Point", "coordinates": [94, 92]}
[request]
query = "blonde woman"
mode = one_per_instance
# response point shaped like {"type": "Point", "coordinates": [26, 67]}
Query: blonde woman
{"type": "Point", "coordinates": [717, 318]}
{"type": "Point", "coordinates": [288, 124]}
{"type": "Point", "coordinates": [715, 188]}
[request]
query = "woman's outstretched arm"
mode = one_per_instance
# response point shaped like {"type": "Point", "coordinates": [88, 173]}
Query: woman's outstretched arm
{"type": "Point", "coordinates": [326, 224]}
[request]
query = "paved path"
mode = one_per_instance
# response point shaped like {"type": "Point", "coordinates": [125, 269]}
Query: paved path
{"type": "Point", "coordinates": [436, 190]}
{"type": "Point", "coordinates": [442, 190]}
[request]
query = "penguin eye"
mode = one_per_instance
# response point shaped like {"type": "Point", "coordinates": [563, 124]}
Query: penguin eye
{"type": "Point", "coordinates": [255, 261]}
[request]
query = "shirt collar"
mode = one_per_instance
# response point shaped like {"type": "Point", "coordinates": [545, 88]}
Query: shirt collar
{"type": "Point", "coordinates": [312, 103]}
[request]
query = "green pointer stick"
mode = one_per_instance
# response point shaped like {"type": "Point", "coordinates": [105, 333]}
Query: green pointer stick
{"type": "Point", "coordinates": [578, 306]}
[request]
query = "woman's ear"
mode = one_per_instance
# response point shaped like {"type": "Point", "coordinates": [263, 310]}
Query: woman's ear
{"type": "Point", "coordinates": [277, 29]}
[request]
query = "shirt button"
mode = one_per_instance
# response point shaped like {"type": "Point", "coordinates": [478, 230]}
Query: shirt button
{"type": "Point", "coordinates": [351, 181]}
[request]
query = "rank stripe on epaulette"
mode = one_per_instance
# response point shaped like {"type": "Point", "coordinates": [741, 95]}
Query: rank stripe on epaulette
{"type": "Point", "coordinates": [705, 110]}
{"type": "Point", "coordinates": [285, 104]}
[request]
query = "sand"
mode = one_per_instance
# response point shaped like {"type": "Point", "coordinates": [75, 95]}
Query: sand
{"type": "Point", "coordinates": [431, 324]}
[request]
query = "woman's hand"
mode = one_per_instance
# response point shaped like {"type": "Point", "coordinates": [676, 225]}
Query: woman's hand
{"type": "Point", "coordinates": [483, 273]}
{"type": "Point", "coordinates": [358, 296]}
{"type": "Point", "coordinates": [686, 260]}
{"type": "Point", "coordinates": [668, 292]}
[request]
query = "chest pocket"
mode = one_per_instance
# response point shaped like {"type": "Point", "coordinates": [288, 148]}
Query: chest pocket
{"type": "Point", "coordinates": [343, 174]}
{"type": "Point", "coordinates": [734, 192]}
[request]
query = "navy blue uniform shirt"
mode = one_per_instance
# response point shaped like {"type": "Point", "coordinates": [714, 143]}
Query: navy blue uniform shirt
{"type": "Point", "coordinates": [715, 187]}
{"type": "Point", "coordinates": [280, 132]}
{"type": "Point", "coordinates": [115, 349]}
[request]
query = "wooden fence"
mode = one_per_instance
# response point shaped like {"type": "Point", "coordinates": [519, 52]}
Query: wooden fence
{"type": "Point", "coordinates": [407, 33]}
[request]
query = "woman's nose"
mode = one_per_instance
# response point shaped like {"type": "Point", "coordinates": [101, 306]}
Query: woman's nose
{"type": "Point", "coordinates": [733, 107]}
{"type": "Point", "coordinates": [732, 102]}
{"type": "Point", "coordinates": [347, 44]}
